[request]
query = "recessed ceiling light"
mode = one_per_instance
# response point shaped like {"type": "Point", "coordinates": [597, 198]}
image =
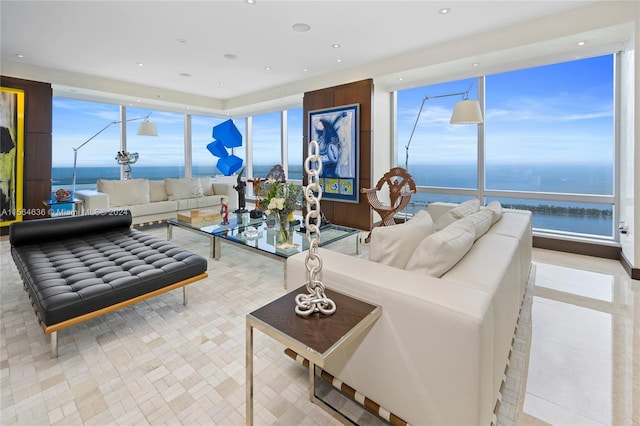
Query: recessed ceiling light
{"type": "Point", "coordinates": [221, 83]}
{"type": "Point", "coordinates": [444, 11]}
{"type": "Point", "coordinates": [339, 60]}
{"type": "Point", "coordinates": [185, 74]}
{"type": "Point", "coordinates": [305, 70]}
{"type": "Point", "coordinates": [230, 56]}
{"type": "Point", "coordinates": [250, 1]}
{"type": "Point", "coordinates": [19, 55]}
{"type": "Point", "coordinates": [475, 64]}
{"type": "Point", "coordinates": [581, 43]}
{"type": "Point", "coordinates": [400, 78]}
{"type": "Point", "coordinates": [301, 27]}
{"type": "Point", "coordinates": [335, 46]}
{"type": "Point", "coordinates": [140, 64]}
{"type": "Point", "coordinates": [267, 68]}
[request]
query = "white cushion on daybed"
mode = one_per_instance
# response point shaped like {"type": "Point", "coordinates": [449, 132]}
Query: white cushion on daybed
{"type": "Point", "coordinates": [394, 245]}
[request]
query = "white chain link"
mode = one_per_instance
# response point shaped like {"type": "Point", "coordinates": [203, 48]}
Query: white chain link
{"type": "Point", "coordinates": [315, 300]}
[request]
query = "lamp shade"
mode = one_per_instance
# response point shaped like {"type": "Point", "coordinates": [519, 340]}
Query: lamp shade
{"type": "Point", "coordinates": [147, 128]}
{"type": "Point", "coordinates": [466, 112]}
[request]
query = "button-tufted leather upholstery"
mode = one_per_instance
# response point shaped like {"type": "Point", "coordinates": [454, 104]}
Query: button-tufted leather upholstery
{"type": "Point", "coordinates": [78, 264]}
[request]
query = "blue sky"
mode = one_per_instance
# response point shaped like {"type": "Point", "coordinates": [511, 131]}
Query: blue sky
{"type": "Point", "coordinates": [557, 113]}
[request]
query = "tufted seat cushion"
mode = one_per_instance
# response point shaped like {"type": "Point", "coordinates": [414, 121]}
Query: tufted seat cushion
{"type": "Point", "coordinates": [85, 271]}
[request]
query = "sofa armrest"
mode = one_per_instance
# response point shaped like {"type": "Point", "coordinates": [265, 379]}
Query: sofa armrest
{"type": "Point", "coordinates": [93, 201]}
{"type": "Point", "coordinates": [435, 339]}
{"type": "Point", "coordinates": [226, 189]}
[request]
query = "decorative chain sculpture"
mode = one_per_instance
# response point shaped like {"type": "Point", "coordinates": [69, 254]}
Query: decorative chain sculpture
{"type": "Point", "coordinates": [315, 300]}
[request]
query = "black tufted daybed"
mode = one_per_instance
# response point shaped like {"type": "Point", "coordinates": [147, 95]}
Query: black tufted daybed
{"type": "Point", "coordinates": [76, 268]}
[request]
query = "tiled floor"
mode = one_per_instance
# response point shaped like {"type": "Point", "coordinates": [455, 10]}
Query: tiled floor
{"type": "Point", "coordinates": [160, 362]}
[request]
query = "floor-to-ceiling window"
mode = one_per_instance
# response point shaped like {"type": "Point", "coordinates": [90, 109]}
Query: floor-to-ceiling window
{"type": "Point", "coordinates": [267, 142]}
{"type": "Point", "coordinates": [547, 144]}
{"type": "Point", "coordinates": [294, 144]}
{"type": "Point", "coordinates": [74, 123]}
{"type": "Point", "coordinates": [161, 156]}
{"type": "Point", "coordinates": [549, 138]}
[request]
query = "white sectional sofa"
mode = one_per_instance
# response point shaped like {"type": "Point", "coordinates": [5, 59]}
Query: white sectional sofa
{"type": "Point", "coordinates": [450, 283]}
{"type": "Point", "coordinates": [153, 201]}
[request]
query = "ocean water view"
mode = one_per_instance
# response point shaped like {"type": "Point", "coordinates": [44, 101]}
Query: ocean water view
{"type": "Point", "coordinates": [582, 218]}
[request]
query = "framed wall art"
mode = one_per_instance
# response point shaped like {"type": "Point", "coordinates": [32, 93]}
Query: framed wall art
{"type": "Point", "coordinates": [11, 155]}
{"type": "Point", "coordinates": [336, 130]}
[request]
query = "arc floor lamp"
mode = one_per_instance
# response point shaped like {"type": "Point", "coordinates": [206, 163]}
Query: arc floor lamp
{"type": "Point", "coordinates": [146, 128]}
{"type": "Point", "coordinates": [465, 111]}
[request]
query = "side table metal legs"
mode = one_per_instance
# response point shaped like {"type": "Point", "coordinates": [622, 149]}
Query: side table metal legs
{"type": "Point", "coordinates": [249, 372]}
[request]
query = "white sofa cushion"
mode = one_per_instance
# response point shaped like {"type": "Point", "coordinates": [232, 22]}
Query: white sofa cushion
{"type": "Point", "coordinates": [481, 221]}
{"type": "Point", "coordinates": [125, 192]}
{"type": "Point", "coordinates": [155, 208]}
{"type": "Point", "coordinates": [213, 201]}
{"type": "Point", "coordinates": [157, 191]}
{"type": "Point", "coordinates": [440, 251]}
{"type": "Point", "coordinates": [394, 245]}
{"type": "Point", "coordinates": [207, 185]}
{"type": "Point", "coordinates": [464, 209]}
{"type": "Point", "coordinates": [179, 189]}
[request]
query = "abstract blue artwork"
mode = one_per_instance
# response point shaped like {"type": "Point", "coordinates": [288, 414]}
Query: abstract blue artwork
{"type": "Point", "coordinates": [226, 135]}
{"type": "Point", "coordinates": [336, 130]}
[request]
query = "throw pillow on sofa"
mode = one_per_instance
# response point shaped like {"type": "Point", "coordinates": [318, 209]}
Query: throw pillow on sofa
{"type": "Point", "coordinates": [464, 209]}
{"type": "Point", "coordinates": [157, 191]}
{"type": "Point", "coordinates": [207, 186]}
{"type": "Point", "coordinates": [125, 192]}
{"type": "Point", "coordinates": [182, 188]}
{"type": "Point", "coordinates": [496, 208]}
{"type": "Point", "coordinates": [480, 221]}
{"type": "Point", "coordinates": [394, 245]}
{"type": "Point", "coordinates": [440, 251]}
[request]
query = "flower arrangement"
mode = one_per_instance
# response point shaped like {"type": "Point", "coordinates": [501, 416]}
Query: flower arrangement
{"type": "Point", "coordinates": [279, 198]}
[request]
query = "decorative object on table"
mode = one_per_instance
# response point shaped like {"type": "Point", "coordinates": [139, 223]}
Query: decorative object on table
{"type": "Point", "coordinates": [62, 194]}
{"type": "Point", "coordinates": [224, 211]}
{"type": "Point", "coordinates": [146, 128]}
{"type": "Point", "coordinates": [280, 199]}
{"type": "Point", "coordinates": [276, 173]}
{"type": "Point", "coordinates": [241, 188]}
{"type": "Point", "coordinates": [226, 135]}
{"type": "Point", "coordinates": [336, 130]}
{"type": "Point", "coordinates": [126, 159]}
{"type": "Point", "coordinates": [464, 112]}
{"type": "Point", "coordinates": [400, 185]}
{"type": "Point", "coordinates": [198, 216]}
{"type": "Point", "coordinates": [315, 301]}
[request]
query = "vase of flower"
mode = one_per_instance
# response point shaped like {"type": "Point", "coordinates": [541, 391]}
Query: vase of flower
{"type": "Point", "coordinates": [283, 227]}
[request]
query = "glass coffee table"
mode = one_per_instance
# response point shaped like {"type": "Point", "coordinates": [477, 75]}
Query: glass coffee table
{"type": "Point", "coordinates": [255, 235]}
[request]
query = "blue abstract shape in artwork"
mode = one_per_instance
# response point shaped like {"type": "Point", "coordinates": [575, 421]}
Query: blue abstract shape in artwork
{"type": "Point", "coordinates": [226, 135]}
{"type": "Point", "coordinates": [229, 165]}
{"type": "Point", "coordinates": [217, 149]}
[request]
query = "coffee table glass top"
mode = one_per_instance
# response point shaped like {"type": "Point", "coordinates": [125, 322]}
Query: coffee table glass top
{"type": "Point", "coordinates": [261, 237]}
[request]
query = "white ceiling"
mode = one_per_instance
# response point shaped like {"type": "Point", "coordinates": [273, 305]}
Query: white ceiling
{"type": "Point", "coordinates": [92, 47]}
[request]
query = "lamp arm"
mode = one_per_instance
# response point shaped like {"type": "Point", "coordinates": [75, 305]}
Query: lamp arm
{"type": "Point", "coordinates": [75, 150]}
{"type": "Point", "coordinates": [465, 94]}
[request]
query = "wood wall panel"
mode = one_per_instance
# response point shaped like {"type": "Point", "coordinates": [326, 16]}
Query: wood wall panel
{"type": "Point", "coordinates": [37, 143]}
{"type": "Point", "coordinates": [357, 215]}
